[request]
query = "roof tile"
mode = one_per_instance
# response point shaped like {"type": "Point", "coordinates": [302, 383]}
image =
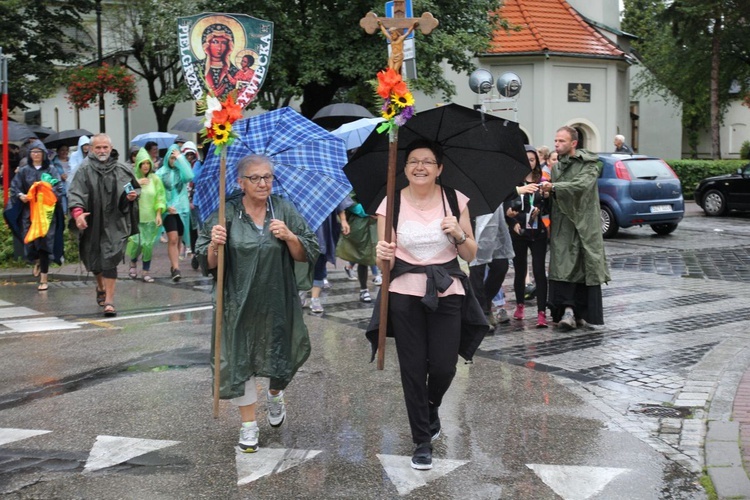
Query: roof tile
{"type": "Point", "coordinates": [548, 26]}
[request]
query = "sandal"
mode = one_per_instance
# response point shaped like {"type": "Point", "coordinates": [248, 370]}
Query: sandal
{"type": "Point", "coordinates": [133, 272]}
{"type": "Point", "coordinates": [101, 296]}
{"type": "Point", "coordinates": [109, 310]}
{"type": "Point", "coordinates": [37, 269]}
{"type": "Point", "coordinates": [147, 279]}
{"type": "Point", "coordinates": [43, 287]}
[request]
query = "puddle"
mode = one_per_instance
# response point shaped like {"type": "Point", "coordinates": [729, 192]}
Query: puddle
{"type": "Point", "coordinates": [179, 359]}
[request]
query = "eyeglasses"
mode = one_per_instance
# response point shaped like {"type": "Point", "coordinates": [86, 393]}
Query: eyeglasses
{"type": "Point", "coordinates": [426, 163]}
{"type": "Point", "coordinates": [255, 179]}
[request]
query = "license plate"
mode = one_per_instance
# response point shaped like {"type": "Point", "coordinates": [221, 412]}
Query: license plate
{"type": "Point", "coordinates": [661, 208]}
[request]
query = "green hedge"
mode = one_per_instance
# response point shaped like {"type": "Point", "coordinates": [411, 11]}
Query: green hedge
{"type": "Point", "coordinates": [691, 172]}
{"type": "Point", "coordinates": [6, 247]}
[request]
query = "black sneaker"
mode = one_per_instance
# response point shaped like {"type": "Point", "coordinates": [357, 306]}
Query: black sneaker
{"type": "Point", "coordinates": [176, 276]}
{"type": "Point", "coordinates": [194, 263]}
{"type": "Point", "coordinates": [434, 423]}
{"type": "Point", "coordinates": [422, 457]}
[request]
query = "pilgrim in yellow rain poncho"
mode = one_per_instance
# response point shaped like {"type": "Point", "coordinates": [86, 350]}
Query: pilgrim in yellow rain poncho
{"type": "Point", "coordinates": [151, 202]}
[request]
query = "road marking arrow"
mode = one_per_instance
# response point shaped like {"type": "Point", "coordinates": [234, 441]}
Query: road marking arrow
{"type": "Point", "coordinates": [112, 450]}
{"type": "Point", "coordinates": [9, 435]}
{"type": "Point", "coordinates": [266, 461]}
{"type": "Point", "coordinates": [574, 482]}
{"type": "Point", "coordinates": [406, 479]}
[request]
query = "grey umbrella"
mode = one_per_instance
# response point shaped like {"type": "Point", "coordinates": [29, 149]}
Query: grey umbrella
{"type": "Point", "coordinates": [192, 124]}
{"type": "Point", "coordinates": [66, 137]}
{"type": "Point", "coordinates": [335, 115]}
{"type": "Point", "coordinates": [17, 131]}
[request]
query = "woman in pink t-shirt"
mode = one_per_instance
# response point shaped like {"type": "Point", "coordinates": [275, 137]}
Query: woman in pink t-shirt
{"type": "Point", "coordinates": [426, 320]}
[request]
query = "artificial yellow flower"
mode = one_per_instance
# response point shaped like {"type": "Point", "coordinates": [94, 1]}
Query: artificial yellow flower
{"type": "Point", "coordinates": [222, 128]}
{"type": "Point", "coordinates": [220, 138]}
{"type": "Point", "coordinates": [389, 112]}
{"type": "Point", "coordinates": [403, 101]}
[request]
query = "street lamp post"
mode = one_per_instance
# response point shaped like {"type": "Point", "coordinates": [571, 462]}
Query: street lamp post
{"type": "Point", "coordinates": [102, 124]}
{"type": "Point", "coordinates": [6, 141]}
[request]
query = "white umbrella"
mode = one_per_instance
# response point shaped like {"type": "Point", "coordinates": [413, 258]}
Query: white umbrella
{"type": "Point", "coordinates": [354, 133]}
{"type": "Point", "coordinates": [163, 139]}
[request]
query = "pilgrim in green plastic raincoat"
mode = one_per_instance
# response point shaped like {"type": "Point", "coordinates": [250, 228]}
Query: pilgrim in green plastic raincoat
{"type": "Point", "coordinates": [576, 244]}
{"type": "Point", "coordinates": [176, 179]}
{"type": "Point", "coordinates": [263, 333]}
{"type": "Point", "coordinates": [151, 202]}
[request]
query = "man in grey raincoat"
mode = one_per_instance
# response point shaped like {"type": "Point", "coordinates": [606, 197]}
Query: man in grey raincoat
{"type": "Point", "coordinates": [101, 199]}
{"type": "Point", "coordinates": [578, 266]}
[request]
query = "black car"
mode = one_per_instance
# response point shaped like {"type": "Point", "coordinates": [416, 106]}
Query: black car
{"type": "Point", "coordinates": [720, 194]}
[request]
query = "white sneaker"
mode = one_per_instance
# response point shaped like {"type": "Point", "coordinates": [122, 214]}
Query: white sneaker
{"type": "Point", "coordinates": [249, 433]}
{"type": "Point", "coordinates": [303, 300]}
{"type": "Point", "coordinates": [377, 280]}
{"type": "Point", "coordinates": [316, 306]}
{"type": "Point", "coordinates": [276, 409]}
{"type": "Point", "coordinates": [327, 284]}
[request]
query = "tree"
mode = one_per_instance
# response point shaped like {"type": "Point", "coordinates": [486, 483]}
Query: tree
{"type": "Point", "coordinates": [39, 38]}
{"type": "Point", "coordinates": [693, 50]}
{"type": "Point", "coordinates": [321, 54]}
{"type": "Point", "coordinates": [149, 30]}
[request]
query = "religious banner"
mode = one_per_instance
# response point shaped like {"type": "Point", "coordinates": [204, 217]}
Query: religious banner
{"type": "Point", "coordinates": [225, 52]}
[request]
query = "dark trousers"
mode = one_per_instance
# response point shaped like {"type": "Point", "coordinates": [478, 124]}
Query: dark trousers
{"type": "Point", "coordinates": [427, 347]}
{"type": "Point", "coordinates": [485, 289]}
{"type": "Point", "coordinates": [43, 262]}
{"type": "Point", "coordinates": [362, 275]}
{"type": "Point", "coordinates": [538, 247]}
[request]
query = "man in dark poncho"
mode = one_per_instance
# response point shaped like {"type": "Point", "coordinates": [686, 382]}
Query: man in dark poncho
{"type": "Point", "coordinates": [577, 265]}
{"type": "Point", "coordinates": [102, 203]}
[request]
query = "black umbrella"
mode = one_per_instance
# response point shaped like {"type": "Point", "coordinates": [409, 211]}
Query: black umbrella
{"type": "Point", "coordinates": [66, 138]}
{"type": "Point", "coordinates": [192, 124]}
{"type": "Point", "coordinates": [17, 131]}
{"type": "Point", "coordinates": [484, 157]}
{"type": "Point", "coordinates": [41, 132]}
{"type": "Point", "coordinates": [335, 115]}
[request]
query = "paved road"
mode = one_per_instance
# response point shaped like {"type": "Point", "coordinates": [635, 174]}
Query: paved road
{"type": "Point", "coordinates": [634, 410]}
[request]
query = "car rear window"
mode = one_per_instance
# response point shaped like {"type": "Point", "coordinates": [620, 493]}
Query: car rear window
{"type": "Point", "coordinates": [648, 169]}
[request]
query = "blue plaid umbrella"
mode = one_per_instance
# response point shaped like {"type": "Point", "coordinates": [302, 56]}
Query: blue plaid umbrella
{"type": "Point", "coordinates": [308, 163]}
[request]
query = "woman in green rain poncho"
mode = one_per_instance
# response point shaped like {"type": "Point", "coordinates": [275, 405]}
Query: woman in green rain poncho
{"type": "Point", "coordinates": [263, 333]}
{"type": "Point", "coordinates": [175, 173]}
{"type": "Point", "coordinates": [151, 204]}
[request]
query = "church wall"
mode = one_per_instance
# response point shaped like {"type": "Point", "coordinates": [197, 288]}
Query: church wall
{"type": "Point", "coordinates": [735, 129]}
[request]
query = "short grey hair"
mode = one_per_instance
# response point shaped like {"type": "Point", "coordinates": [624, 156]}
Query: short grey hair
{"type": "Point", "coordinates": [251, 160]}
{"type": "Point", "coordinates": [101, 136]}
{"type": "Point", "coordinates": [620, 137]}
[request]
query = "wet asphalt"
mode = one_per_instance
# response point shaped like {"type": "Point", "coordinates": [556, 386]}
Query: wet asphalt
{"type": "Point", "coordinates": [636, 409]}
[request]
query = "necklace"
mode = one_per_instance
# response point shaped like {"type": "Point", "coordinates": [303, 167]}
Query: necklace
{"type": "Point", "coordinates": [421, 206]}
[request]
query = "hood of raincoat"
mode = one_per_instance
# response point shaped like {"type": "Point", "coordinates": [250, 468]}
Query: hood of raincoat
{"type": "Point", "coordinates": [77, 157]}
{"type": "Point", "coordinates": [37, 144]}
{"type": "Point", "coordinates": [168, 155]}
{"type": "Point", "coordinates": [140, 158]}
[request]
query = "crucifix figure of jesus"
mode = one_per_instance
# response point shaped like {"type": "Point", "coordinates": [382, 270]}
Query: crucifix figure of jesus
{"type": "Point", "coordinates": [393, 29]}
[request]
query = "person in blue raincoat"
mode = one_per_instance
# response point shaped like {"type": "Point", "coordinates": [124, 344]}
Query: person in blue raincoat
{"type": "Point", "coordinates": [176, 173]}
{"type": "Point", "coordinates": [49, 247]}
{"type": "Point", "coordinates": [263, 332]}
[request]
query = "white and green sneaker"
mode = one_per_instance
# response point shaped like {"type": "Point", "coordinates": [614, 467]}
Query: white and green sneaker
{"type": "Point", "coordinates": [249, 433]}
{"type": "Point", "coordinates": [276, 409]}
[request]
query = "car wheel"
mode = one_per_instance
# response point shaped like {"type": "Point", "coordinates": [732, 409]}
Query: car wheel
{"type": "Point", "coordinates": [663, 228]}
{"type": "Point", "coordinates": [609, 224]}
{"type": "Point", "coordinates": [714, 203]}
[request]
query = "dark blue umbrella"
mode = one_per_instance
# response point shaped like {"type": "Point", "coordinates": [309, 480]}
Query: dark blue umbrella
{"type": "Point", "coordinates": [308, 163]}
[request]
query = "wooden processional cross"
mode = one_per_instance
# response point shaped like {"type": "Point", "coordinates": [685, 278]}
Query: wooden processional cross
{"type": "Point", "coordinates": [393, 28]}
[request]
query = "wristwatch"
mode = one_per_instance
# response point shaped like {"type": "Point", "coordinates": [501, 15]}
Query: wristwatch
{"type": "Point", "coordinates": [462, 240]}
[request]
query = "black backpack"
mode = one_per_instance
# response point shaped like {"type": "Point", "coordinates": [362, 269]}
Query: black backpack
{"type": "Point", "coordinates": [450, 194]}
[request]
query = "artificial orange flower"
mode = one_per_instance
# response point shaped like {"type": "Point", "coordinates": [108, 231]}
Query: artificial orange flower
{"type": "Point", "coordinates": [234, 111]}
{"type": "Point", "coordinates": [386, 81]}
{"type": "Point", "coordinates": [400, 89]}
